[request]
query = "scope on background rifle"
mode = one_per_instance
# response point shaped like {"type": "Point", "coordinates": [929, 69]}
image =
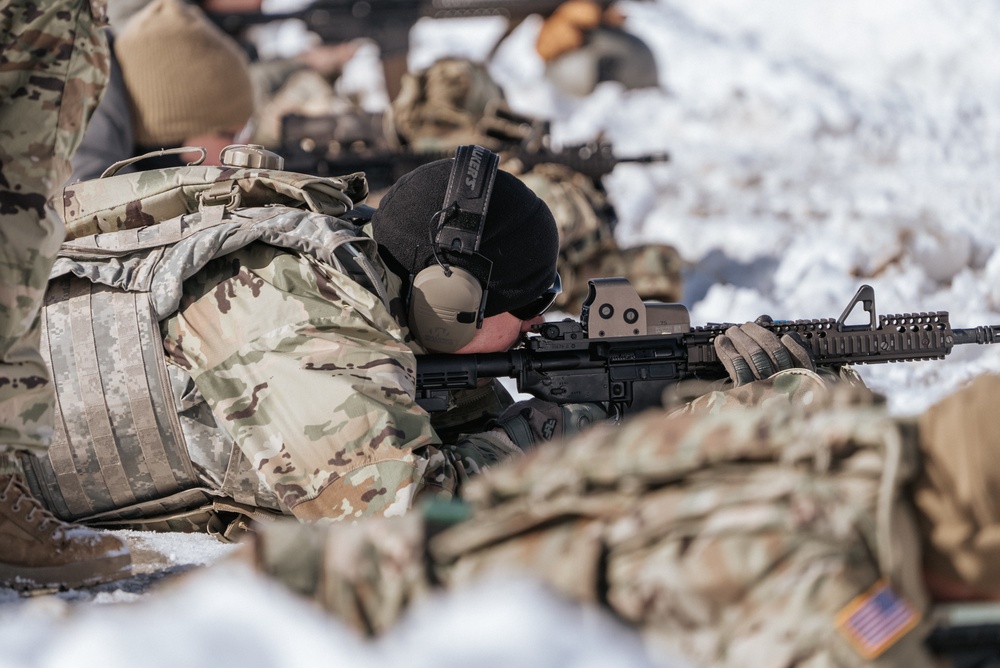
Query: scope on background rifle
{"type": "Point", "coordinates": [625, 352]}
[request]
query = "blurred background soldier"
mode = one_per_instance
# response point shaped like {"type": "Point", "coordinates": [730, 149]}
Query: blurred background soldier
{"type": "Point", "coordinates": [582, 43]}
{"type": "Point", "coordinates": [301, 81]}
{"type": "Point", "coordinates": [55, 68]}
{"type": "Point", "coordinates": [180, 82]}
{"type": "Point", "coordinates": [177, 79]}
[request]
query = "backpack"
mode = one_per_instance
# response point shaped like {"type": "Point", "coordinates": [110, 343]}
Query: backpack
{"type": "Point", "coordinates": [134, 446]}
{"type": "Point", "coordinates": [129, 201]}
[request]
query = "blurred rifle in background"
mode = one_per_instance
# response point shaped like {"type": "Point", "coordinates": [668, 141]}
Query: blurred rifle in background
{"type": "Point", "coordinates": [387, 22]}
{"type": "Point", "coordinates": [341, 144]}
{"type": "Point", "coordinates": [968, 634]}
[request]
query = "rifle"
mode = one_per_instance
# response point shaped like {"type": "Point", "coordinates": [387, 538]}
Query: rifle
{"type": "Point", "coordinates": [968, 634]}
{"type": "Point", "coordinates": [624, 352]}
{"type": "Point", "coordinates": [338, 144]}
{"type": "Point", "coordinates": [387, 22]}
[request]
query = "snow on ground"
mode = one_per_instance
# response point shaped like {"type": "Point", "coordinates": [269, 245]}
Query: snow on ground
{"type": "Point", "coordinates": [229, 616]}
{"type": "Point", "coordinates": [816, 146]}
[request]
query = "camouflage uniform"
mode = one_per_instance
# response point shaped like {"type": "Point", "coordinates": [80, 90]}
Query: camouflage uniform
{"type": "Point", "coordinates": [54, 69]}
{"type": "Point", "coordinates": [319, 395]}
{"type": "Point", "coordinates": [44, 103]}
{"type": "Point", "coordinates": [734, 532]}
{"type": "Point", "coordinates": [277, 338]}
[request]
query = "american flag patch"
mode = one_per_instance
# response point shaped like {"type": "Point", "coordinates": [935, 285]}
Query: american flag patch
{"type": "Point", "coordinates": [875, 620]}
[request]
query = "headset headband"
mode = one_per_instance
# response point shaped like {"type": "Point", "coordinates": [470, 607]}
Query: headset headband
{"type": "Point", "coordinates": [447, 304]}
{"type": "Point", "coordinates": [463, 214]}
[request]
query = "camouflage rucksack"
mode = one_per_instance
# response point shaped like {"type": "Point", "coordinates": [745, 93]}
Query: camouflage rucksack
{"type": "Point", "coordinates": [441, 107]}
{"type": "Point", "coordinates": [134, 445]}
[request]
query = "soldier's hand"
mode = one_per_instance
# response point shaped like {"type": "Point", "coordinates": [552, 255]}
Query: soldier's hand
{"type": "Point", "coordinates": [750, 352]}
{"type": "Point", "coordinates": [566, 28]}
{"type": "Point", "coordinates": [530, 422]}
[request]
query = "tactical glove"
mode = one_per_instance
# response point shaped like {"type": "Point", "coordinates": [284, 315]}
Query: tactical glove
{"type": "Point", "coordinates": [750, 352]}
{"type": "Point", "coordinates": [530, 422]}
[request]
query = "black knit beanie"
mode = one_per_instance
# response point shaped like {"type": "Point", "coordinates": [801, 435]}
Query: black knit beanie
{"type": "Point", "coordinates": [520, 235]}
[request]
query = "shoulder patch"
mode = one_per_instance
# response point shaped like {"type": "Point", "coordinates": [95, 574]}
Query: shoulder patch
{"type": "Point", "coordinates": [875, 620]}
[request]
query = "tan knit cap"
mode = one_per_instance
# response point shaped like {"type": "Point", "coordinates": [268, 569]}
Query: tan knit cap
{"type": "Point", "coordinates": [185, 76]}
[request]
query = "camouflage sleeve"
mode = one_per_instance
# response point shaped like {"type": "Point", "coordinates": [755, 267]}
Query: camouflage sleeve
{"type": "Point", "coordinates": [55, 65]}
{"type": "Point", "coordinates": [309, 373]}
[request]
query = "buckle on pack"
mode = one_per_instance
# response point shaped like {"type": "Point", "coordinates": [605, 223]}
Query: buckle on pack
{"type": "Point", "coordinates": [216, 200]}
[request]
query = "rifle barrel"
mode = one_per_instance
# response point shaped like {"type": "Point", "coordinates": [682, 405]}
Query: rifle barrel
{"type": "Point", "coordinates": [982, 334]}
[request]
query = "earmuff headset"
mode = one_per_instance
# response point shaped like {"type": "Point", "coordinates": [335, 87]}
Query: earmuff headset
{"type": "Point", "coordinates": [447, 302]}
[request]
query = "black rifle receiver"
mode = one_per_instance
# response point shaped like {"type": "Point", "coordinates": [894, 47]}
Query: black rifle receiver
{"type": "Point", "coordinates": [625, 352]}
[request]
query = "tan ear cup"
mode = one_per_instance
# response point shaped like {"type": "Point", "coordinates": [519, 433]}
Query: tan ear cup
{"type": "Point", "coordinates": [444, 309]}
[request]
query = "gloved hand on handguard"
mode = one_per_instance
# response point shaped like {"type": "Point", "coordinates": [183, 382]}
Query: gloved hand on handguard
{"type": "Point", "coordinates": [750, 352]}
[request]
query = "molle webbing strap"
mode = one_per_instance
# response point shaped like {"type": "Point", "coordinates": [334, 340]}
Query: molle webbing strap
{"type": "Point", "coordinates": [145, 198]}
{"type": "Point", "coordinates": [116, 440]}
{"type": "Point", "coordinates": [97, 412]}
{"type": "Point", "coordinates": [62, 489]}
